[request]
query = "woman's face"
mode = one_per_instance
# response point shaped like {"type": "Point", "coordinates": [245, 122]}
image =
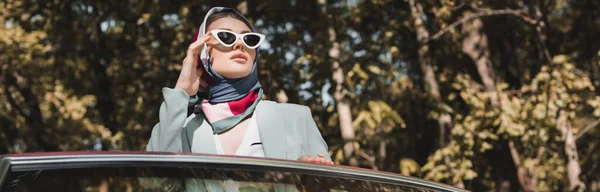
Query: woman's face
{"type": "Point", "coordinates": [235, 61]}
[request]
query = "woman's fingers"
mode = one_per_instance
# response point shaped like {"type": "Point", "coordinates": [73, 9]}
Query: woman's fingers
{"type": "Point", "coordinates": [189, 80]}
{"type": "Point", "coordinates": [195, 47]}
{"type": "Point", "coordinates": [324, 160]}
{"type": "Point", "coordinates": [319, 159]}
{"type": "Point", "coordinates": [303, 158]}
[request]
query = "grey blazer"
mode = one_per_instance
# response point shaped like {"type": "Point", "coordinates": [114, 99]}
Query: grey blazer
{"type": "Point", "coordinates": [287, 131]}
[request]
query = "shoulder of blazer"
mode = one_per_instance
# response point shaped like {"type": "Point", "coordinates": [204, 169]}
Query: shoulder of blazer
{"type": "Point", "coordinates": [287, 108]}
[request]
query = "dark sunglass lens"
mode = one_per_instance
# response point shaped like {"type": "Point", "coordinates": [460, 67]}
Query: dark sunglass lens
{"type": "Point", "coordinates": [251, 40]}
{"type": "Point", "coordinates": [226, 37]}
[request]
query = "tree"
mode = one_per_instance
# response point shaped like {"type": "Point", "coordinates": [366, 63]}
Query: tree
{"type": "Point", "coordinates": [485, 95]}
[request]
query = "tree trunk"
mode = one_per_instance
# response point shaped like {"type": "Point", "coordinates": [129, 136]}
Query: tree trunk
{"type": "Point", "coordinates": [475, 44]}
{"type": "Point", "coordinates": [343, 108]}
{"type": "Point", "coordinates": [573, 167]}
{"type": "Point", "coordinates": [99, 64]}
{"type": "Point", "coordinates": [527, 176]}
{"type": "Point", "coordinates": [30, 111]}
{"type": "Point", "coordinates": [431, 85]}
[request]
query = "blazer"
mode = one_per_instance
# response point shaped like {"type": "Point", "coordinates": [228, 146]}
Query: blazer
{"type": "Point", "coordinates": [287, 131]}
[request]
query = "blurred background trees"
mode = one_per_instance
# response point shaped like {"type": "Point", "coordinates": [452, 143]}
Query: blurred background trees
{"type": "Point", "coordinates": [485, 95]}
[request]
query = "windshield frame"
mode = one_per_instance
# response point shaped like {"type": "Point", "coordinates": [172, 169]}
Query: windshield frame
{"type": "Point", "coordinates": [70, 160]}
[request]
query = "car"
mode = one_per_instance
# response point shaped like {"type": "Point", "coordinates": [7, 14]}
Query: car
{"type": "Point", "coordinates": [158, 171]}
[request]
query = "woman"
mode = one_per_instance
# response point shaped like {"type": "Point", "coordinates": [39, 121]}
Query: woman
{"type": "Point", "coordinates": [229, 116]}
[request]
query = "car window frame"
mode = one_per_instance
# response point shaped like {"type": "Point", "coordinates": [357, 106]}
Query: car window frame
{"type": "Point", "coordinates": [69, 161]}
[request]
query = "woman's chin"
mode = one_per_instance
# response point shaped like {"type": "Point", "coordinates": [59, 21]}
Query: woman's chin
{"type": "Point", "coordinates": [233, 70]}
{"type": "Point", "coordinates": [234, 74]}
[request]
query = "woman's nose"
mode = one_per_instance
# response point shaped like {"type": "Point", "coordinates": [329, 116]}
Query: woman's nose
{"type": "Point", "coordinates": [239, 44]}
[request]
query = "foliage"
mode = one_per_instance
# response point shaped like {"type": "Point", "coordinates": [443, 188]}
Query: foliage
{"type": "Point", "coordinates": [87, 75]}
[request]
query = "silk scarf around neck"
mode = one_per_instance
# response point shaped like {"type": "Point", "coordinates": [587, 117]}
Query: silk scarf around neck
{"type": "Point", "coordinates": [224, 116]}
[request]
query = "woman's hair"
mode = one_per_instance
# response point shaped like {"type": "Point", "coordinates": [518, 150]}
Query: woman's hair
{"type": "Point", "coordinates": [220, 15]}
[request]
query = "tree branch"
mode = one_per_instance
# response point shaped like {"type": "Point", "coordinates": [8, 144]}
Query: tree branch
{"type": "Point", "coordinates": [527, 177]}
{"type": "Point", "coordinates": [33, 115]}
{"type": "Point", "coordinates": [534, 172]}
{"type": "Point", "coordinates": [590, 164]}
{"type": "Point", "coordinates": [514, 153]}
{"type": "Point", "coordinates": [13, 103]}
{"type": "Point", "coordinates": [519, 13]}
{"type": "Point", "coordinates": [370, 159]}
{"type": "Point", "coordinates": [521, 172]}
{"type": "Point", "coordinates": [587, 128]}
{"type": "Point", "coordinates": [10, 81]}
{"type": "Point", "coordinates": [460, 6]}
{"type": "Point", "coordinates": [538, 159]}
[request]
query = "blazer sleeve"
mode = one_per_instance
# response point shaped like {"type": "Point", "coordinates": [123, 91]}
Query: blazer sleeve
{"type": "Point", "coordinates": [166, 134]}
{"type": "Point", "coordinates": [316, 143]}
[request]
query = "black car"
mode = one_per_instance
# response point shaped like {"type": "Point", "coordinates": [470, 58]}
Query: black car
{"type": "Point", "coordinates": [144, 171]}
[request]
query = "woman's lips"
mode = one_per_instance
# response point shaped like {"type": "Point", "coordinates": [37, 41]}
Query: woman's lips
{"type": "Point", "coordinates": [239, 58]}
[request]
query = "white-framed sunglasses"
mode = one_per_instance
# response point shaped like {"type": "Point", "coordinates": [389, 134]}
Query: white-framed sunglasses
{"type": "Point", "coordinates": [228, 38]}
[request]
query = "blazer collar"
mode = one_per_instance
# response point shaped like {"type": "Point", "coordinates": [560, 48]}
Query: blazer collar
{"type": "Point", "coordinates": [199, 130]}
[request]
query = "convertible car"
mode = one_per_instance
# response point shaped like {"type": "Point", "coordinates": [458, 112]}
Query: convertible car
{"type": "Point", "coordinates": [143, 171]}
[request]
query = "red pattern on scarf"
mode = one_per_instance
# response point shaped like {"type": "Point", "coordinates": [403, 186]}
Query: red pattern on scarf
{"type": "Point", "coordinates": [239, 106]}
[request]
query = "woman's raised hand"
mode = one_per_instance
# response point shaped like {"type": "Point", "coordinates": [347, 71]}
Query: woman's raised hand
{"type": "Point", "coordinates": [189, 78]}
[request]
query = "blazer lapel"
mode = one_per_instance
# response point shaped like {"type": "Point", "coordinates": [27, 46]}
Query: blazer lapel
{"type": "Point", "coordinates": [271, 131]}
{"type": "Point", "coordinates": [200, 136]}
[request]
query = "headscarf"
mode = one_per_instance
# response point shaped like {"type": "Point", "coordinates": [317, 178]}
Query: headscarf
{"type": "Point", "coordinates": [227, 101]}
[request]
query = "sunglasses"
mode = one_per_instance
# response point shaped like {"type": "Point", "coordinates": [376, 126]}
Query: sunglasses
{"type": "Point", "coordinates": [228, 38]}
